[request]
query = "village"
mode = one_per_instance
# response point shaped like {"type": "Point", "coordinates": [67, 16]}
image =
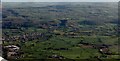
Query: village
{"type": "Point", "coordinates": [60, 31]}
{"type": "Point", "coordinates": [13, 50]}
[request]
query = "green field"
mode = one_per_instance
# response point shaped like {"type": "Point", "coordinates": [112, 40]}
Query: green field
{"type": "Point", "coordinates": [61, 30]}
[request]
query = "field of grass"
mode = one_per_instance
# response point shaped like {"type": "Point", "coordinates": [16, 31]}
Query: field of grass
{"type": "Point", "coordinates": [41, 49]}
{"type": "Point", "coordinates": [39, 33]}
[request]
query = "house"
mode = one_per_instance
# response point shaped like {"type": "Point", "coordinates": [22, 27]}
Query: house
{"type": "Point", "coordinates": [104, 50]}
{"type": "Point", "coordinates": [12, 51]}
{"type": "Point", "coordinates": [56, 57]}
{"type": "Point", "coordinates": [12, 47]}
{"type": "Point", "coordinates": [11, 55]}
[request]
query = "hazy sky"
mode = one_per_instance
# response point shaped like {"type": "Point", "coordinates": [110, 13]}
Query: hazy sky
{"type": "Point", "coordinates": [60, 0]}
